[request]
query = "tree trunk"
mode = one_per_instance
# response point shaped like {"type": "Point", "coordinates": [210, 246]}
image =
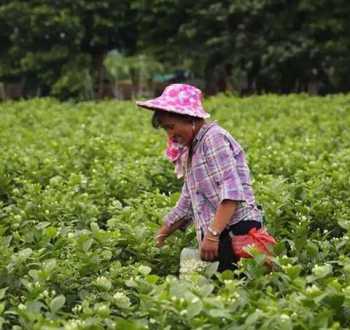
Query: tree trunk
{"type": "Point", "coordinates": [99, 83]}
{"type": "Point", "coordinates": [2, 92]}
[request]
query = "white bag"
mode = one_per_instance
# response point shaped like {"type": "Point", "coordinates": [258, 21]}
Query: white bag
{"type": "Point", "coordinates": [190, 262]}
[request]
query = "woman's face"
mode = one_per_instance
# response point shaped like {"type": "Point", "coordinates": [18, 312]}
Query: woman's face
{"type": "Point", "coordinates": [178, 130]}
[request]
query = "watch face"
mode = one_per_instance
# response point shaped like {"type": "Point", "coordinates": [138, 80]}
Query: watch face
{"type": "Point", "coordinates": [213, 232]}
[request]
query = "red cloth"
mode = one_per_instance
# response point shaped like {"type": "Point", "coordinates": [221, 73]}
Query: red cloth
{"type": "Point", "coordinates": [256, 237]}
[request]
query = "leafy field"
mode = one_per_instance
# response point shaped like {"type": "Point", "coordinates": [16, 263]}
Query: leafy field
{"type": "Point", "coordinates": [83, 188]}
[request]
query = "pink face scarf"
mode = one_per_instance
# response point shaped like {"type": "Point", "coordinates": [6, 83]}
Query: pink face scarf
{"type": "Point", "coordinates": [178, 155]}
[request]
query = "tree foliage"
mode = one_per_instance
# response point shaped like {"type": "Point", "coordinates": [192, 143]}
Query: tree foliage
{"type": "Point", "coordinates": [56, 44]}
{"type": "Point", "coordinates": [270, 45]}
{"type": "Point", "coordinates": [278, 45]}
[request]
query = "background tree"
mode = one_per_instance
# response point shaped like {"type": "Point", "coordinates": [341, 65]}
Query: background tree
{"type": "Point", "coordinates": [57, 47]}
{"type": "Point", "coordinates": [137, 71]}
{"type": "Point", "coordinates": [278, 45]}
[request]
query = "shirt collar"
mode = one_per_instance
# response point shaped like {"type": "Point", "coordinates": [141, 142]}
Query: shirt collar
{"type": "Point", "coordinates": [199, 136]}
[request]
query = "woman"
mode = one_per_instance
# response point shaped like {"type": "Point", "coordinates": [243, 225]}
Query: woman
{"type": "Point", "coordinates": [217, 195]}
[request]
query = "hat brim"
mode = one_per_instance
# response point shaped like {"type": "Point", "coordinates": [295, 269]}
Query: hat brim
{"type": "Point", "coordinates": [149, 106]}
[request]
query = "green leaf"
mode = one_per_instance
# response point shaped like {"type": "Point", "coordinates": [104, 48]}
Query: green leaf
{"type": "Point", "coordinates": [2, 293]}
{"type": "Point", "coordinates": [57, 303]}
{"type": "Point", "coordinates": [121, 300]}
{"type": "Point", "coordinates": [344, 224]}
{"type": "Point", "coordinates": [35, 307]}
{"type": "Point", "coordinates": [145, 270]}
{"type": "Point", "coordinates": [129, 325]}
{"type": "Point", "coordinates": [49, 265]}
{"type": "Point", "coordinates": [25, 253]}
{"type": "Point", "coordinates": [87, 244]}
{"type": "Point", "coordinates": [211, 269]}
{"type": "Point", "coordinates": [178, 289]}
{"type": "Point", "coordinates": [205, 290]}
{"type": "Point", "coordinates": [152, 279]}
{"type": "Point", "coordinates": [293, 271]}
{"type": "Point", "coordinates": [131, 283]}
{"type": "Point", "coordinates": [334, 300]}
{"type": "Point", "coordinates": [322, 271]}
{"type": "Point", "coordinates": [104, 283]}
{"type": "Point", "coordinates": [219, 313]}
{"type": "Point", "coordinates": [94, 228]}
{"type": "Point", "coordinates": [253, 318]}
{"type": "Point", "coordinates": [194, 308]}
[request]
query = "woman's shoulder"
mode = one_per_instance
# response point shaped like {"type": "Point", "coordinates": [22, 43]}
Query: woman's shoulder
{"type": "Point", "coordinates": [216, 136]}
{"type": "Point", "coordinates": [218, 132]}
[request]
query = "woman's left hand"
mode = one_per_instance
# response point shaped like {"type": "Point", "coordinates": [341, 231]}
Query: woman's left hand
{"type": "Point", "coordinates": [209, 249]}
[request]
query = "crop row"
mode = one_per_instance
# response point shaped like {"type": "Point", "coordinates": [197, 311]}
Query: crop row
{"type": "Point", "coordinates": [84, 187]}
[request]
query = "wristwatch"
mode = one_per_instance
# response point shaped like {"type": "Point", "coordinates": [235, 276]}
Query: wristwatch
{"type": "Point", "coordinates": [213, 232]}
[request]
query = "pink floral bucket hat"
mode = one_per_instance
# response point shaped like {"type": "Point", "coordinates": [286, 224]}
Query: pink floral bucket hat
{"type": "Point", "coordinates": [179, 98]}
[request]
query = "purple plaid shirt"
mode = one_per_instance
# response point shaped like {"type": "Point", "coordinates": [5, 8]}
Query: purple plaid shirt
{"type": "Point", "coordinates": [218, 171]}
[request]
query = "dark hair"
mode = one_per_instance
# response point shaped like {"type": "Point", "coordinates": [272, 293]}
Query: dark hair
{"type": "Point", "coordinates": [156, 118]}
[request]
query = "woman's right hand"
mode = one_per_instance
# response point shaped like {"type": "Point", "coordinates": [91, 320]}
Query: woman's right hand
{"type": "Point", "coordinates": [161, 236]}
{"type": "Point", "coordinates": [166, 231]}
{"type": "Point", "coordinates": [160, 240]}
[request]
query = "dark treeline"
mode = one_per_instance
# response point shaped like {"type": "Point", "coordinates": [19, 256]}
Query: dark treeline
{"type": "Point", "coordinates": [58, 47]}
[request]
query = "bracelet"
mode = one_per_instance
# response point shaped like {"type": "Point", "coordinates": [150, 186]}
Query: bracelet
{"type": "Point", "coordinates": [212, 239]}
{"type": "Point", "coordinates": [161, 235]}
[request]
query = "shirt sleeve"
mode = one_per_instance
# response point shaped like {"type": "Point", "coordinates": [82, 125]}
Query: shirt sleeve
{"type": "Point", "coordinates": [222, 167]}
{"type": "Point", "coordinates": [182, 209]}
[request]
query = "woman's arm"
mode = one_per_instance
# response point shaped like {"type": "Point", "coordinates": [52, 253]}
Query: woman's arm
{"type": "Point", "coordinates": [210, 244]}
{"type": "Point", "coordinates": [224, 214]}
{"type": "Point", "coordinates": [222, 168]}
{"type": "Point", "coordinates": [177, 218]}
{"type": "Point", "coordinates": [166, 231]}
